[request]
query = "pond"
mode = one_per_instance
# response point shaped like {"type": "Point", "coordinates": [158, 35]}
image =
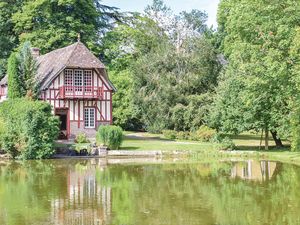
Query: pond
{"type": "Point", "coordinates": [94, 191]}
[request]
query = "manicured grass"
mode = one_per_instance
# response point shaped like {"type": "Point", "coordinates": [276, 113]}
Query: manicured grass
{"type": "Point", "coordinates": [247, 145]}
{"type": "Point", "coordinates": [163, 145]}
{"type": "Point", "coordinates": [147, 141]}
{"type": "Point", "coordinates": [252, 141]}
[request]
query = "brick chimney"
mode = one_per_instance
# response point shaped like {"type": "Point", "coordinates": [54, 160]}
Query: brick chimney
{"type": "Point", "coordinates": [35, 52]}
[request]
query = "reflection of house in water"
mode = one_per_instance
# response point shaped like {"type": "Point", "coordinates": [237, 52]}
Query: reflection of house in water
{"type": "Point", "coordinates": [87, 202]}
{"type": "Point", "coordinates": [253, 170]}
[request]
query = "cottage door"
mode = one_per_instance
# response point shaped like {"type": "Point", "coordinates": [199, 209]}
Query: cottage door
{"type": "Point", "coordinates": [64, 128]}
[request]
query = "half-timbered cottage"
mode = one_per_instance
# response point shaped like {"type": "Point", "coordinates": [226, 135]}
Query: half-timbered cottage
{"type": "Point", "coordinates": [76, 84]}
{"type": "Point", "coordinates": [3, 89]}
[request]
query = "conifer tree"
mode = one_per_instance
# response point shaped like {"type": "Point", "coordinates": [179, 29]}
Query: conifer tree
{"type": "Point", "coordinates": [27, 70]}
{"type": "Point", "coordinates": [14, 82]}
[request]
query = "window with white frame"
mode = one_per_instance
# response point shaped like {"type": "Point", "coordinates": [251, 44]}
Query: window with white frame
{"type": "Point", "coordinates": [78, 80]}
{"type": "Point", "coordinates": [87, 80]}
{"type": "Point", "coordinates": [89, 117]}
{"type": "Point", "coordinates": [69, 80]}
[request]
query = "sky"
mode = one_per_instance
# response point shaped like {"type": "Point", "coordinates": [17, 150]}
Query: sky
{"type": "Point", "coordinates": [210, 6]}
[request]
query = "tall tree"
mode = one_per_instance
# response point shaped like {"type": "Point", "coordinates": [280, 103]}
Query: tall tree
{"type": "Point", "coordinates": [257, 46]}
{"type": "Point", "coordinates": [22, 69]}
{"type": "Point", "coordinates": [53, 24]}
{"type": "Point", "coordinates": [15, 89]}
{"type": "Point", "coordinates": [172, 89]}
{"type": "Point", "coordinates": [28, 70]}
{"type": "Point", "coordinates": [295, 104]}
{"type": "Point", "coordinates": [121, 48]}
{"type": "Point", "coordinates": [8, 37]}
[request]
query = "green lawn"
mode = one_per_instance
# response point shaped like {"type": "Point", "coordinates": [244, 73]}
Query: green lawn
{"type": "Point", "coordinates": [247, 145]}
{"type": "Point", "coordinates": [252, 141]}
{"type": "Point", "coordinates": [148, 141]}
{"type": "Point", "coordinates": [164, 145]}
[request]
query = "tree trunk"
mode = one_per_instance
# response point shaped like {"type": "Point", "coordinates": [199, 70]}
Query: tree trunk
{"type": "Point", "coordinates": [277, 140]}
{"type": "Point", "coordinates": [266, 139]}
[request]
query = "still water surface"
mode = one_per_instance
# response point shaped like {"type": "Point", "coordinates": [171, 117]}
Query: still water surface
{"type": "Point", "coordinates": [99, 192]}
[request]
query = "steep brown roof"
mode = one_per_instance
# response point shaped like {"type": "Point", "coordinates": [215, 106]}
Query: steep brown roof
{"type": "Point", "coordinates": [75, 55]}
{"type": "Point", "coordinates": [3, 81]}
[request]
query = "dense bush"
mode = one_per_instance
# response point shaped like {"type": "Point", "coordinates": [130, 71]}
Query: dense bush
{"type": "Point", "coordinates": [170, 134]}
{"type": "Point", "coordinates": [111, 136]}
{"type": "Point", "coordinates": [226, 144]}
{"type": "Point", "coordinates": [223, 141]}
{"type": "Point", "coordinates": [2, 130]}
{"type": "Point", "coordinates": [30, 129]}
{"type": "Point", "coordinates": [81, 138]}
{"type": "Point", "coordinates": [183, 135]}
{"type": "Point", "coordinates": [204, 133]}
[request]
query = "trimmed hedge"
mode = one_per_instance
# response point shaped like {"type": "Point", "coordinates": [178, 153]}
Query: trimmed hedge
{"type": "Point", "coordinates": [110, 136]}
{"type": "Point", "coordinates": [30, 129]}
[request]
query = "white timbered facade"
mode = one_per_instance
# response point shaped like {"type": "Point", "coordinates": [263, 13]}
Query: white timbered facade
{"type": "Point", "coordinates": [76, 84]}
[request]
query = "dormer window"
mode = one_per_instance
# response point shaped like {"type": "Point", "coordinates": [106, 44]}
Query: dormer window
{"type": "Point", "coordinates": [78, 78]}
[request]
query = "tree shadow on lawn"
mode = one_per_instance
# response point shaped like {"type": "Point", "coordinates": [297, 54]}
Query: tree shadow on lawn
{"type": "Point", "coordinates": [262, 148]}
{"type": "Point", "coordinates": [141, 138]}
{"type": "Point", "coordinates": [129, 148]}
{"type": "Point", "coordinates": [246, 137]}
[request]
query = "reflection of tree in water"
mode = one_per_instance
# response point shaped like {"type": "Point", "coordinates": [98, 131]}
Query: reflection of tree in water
{"type": "Point", "coordinates": [52, 192]}
{"type": "Point", "coordinates": [156, 194]}
{"type": "Point", "coordinates": [21, 185]}
{"type": "Point", "coordinates": [203, 194]}
{"type": "Point", "coordinates": [253, 170]}
{"type": "Point", "coordinates": [84, 192]}
{"type": "Point", "coordinates": [272, 202]}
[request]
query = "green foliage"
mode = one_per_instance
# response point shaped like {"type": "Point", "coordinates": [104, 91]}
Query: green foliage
{"type": "Point", "coordinates": [295, 105]}
{"type": "Point", "coordinates": [295, 123]}
{"type": "Point", "coordinates": [8, 37]}
{"type": "Point", "coordinates": [27, 71]}
{"type": "Point", "coordinates": [183, 135]}
{"type": "Point", "coordinates": [170, 134]}
{"type": "Point", "coordinates": [124, 112]}
{"type": "Point", "coordinates": [256, 91]}
{"type": "Point", "coordinates": [110, 136]}
{"type": "Point", "coordinates": [226, 144]}
{"type": "Point", "coordinates": [53, 24]}
{"type": "Point", "coordinates": [22, 69]}
{"type": "Point", "coordinates": [81, 138]}
{"type": "Point", "coordinates": [173, 89]}
{"type": "Point", "coordinates": [30, 129]}
{"type": "Point", "coordinates": [15, 89]}
{"type": "Point", "coordinates": [204, 134]}
{"type": "Point", "coordinates": [121, 47]}
{"type": "Point", "coordinates": [164, 69]}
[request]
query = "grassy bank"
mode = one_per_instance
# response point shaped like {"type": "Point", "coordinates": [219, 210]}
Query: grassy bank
{"type": "Point", "coordinates": [247, 146]}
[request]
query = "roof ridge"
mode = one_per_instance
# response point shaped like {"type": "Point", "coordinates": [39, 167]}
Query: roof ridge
{"type": "Point", "coordinates": [69, 58]}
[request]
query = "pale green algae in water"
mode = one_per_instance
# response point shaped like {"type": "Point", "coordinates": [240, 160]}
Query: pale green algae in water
{"type": "Point", "coordinates": [107, 192]}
